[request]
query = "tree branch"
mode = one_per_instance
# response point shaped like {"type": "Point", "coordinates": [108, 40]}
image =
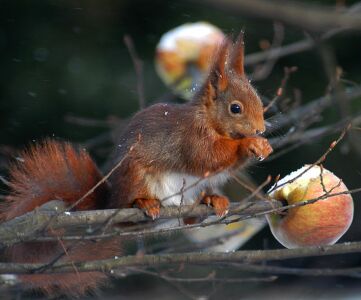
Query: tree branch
{"type": "Point", "coordinates": [311, 109]}
{"type": "Point", "coordinates": [314, 18]}
{"type": "Point", "coordinates": [354, 272]}
{"type": "Point", "coordinates": [27, 226]}
{"type": "Point", "coordinates": [245, 256]}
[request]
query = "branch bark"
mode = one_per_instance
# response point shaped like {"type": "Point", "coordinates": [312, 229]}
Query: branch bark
{"type": "Point", "coordinates": [300, 46]}
{"type": "Point", "coordinates": [314, 18]}
{"type": "Point", "coordinates": [245, 256]}
{"type": "Point", "coordinates": [354, 272]}
{"type": "Point", "coordinates": [310, 109]}
{"type": "Point", "coordinates": [27, 227]}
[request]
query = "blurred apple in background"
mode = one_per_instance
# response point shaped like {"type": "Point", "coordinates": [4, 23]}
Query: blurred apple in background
{"type": "Point", "coordinates": [184, 55]}
{"type": "Point", "coordinates": [317, 224]}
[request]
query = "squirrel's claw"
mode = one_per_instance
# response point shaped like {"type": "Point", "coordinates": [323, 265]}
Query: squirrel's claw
{"type": "Point", "coordinates": [260, 148]}
{"type": "Point", "coordinates": [151, 207]}
{"type": "Point", "coordinates": [220, 204]}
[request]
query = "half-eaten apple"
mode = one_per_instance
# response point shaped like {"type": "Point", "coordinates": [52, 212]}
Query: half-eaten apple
{"type": "Point", "coordinates": [320, 223]}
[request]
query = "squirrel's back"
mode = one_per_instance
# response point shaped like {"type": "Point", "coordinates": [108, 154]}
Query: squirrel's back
{"type": "Point", "coordinates": [56, 171]}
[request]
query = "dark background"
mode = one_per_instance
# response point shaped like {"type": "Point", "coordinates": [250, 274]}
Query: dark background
{"type": "Point", "coordinates": [61, 58]}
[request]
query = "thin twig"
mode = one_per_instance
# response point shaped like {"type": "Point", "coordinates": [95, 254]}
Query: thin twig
{"type": "Point", "coordinates": [317, 162]}
{"type": "Point", "coordinates": [280, 91]}
{"type": "Point", "coordinates": [87, 122]}
{"type": "Point", "coordinates": [104, 179]}
{"type": "Point", "coordinates": [310, 109]}
{"type": "Point", "coordinates": [247, 187]}
{"type": "Point", "coordinates": [263, 71]}
{"type": "Point", "coordinates": [256, 192]}
{"type": "Point", "coordinates": [138, 67]}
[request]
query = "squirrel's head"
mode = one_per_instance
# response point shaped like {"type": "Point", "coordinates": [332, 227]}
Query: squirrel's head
{"type": "Point", "coordinates": [233, 106]}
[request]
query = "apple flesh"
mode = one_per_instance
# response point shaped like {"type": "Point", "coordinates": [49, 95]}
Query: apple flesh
{"type": "Point", "coordinates": [316, 224]}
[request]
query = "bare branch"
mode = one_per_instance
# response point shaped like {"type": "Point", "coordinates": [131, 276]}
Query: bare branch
{"type": "Point", "coordinates": [317, 162]}
{"type": "Point", "coordinates": [309, 17]}
{"type": "Point", "coordinates": [280, 91]}
{"type": "Point", "coordinates": [267, 269]}
{"type": "Point", "coordinates": [23, 228]}
{"type": "Point", "coordinates": [138, 66]}
{"type": "Point", "coordinates": [244, 256]}
{"type": "Point", "coordinates": [261, 72]}
{"type": "Point", "coordinates": [19, 229]}
{"type": "Point", "coordinates": [88, 122]}
{"type": "Point", "coordinates": [311, 109]}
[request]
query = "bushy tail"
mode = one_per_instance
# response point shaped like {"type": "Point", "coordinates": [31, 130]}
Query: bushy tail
{"type": "Point", "coordinates": [56, 171]}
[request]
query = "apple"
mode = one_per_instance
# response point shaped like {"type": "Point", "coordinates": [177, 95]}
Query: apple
{"type": "Point", "coordinates": [183, 56]}
{"type": "Point", "coordinates": [317, 224]}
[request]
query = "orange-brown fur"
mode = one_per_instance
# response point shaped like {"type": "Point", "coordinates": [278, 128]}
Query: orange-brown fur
{"type": "Point", "coordinates": [56, 171]}
{"type": "Point", "coordinates": [194, 138]}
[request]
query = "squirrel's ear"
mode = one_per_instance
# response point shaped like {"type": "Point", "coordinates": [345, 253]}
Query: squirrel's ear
{"type": "Point", "coordinates": [237, 55]}
{"type": "Point", "coordinates": [218, 76]}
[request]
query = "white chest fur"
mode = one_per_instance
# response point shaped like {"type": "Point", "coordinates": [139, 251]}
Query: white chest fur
{"type": "Point", "coordinates": [168, 187]}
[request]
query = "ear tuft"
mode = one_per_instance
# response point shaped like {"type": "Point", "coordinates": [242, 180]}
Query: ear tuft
{"type": "Point", "coordinates": [218, 74]}
{"type": "Point", "coordinates": [237, 55]}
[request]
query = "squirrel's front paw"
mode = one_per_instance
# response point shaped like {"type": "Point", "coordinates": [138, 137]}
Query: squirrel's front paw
{"type": "Point", "coordinates": [259, 148]}
{"type": "Point", "coordinates": [220, 204]}
{"type": "Point", "coordinates": [151, 207]}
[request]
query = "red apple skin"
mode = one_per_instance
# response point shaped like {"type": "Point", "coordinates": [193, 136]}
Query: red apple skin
{"type": "Point", "coordinates": [317, 224]}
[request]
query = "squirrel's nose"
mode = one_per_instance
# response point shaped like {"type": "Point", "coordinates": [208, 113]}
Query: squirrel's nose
{"type": "Point", "coordinates": [261, 129]}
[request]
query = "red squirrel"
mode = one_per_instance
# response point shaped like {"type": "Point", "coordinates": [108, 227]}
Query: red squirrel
{"type": "Point", "coordinates": [171, 145]}
{"type": "Point", "coordinates": [213, 134]}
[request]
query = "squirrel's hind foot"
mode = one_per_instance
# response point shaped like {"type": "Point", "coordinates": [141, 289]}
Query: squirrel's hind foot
{"type": "Point", "coordinates": [220, 204]}
{"type": "Point", "coordinates": [151, 207]}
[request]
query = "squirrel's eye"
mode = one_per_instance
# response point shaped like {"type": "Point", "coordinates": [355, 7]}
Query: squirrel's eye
{"type": "Point", "coordinates": [236, 108]}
